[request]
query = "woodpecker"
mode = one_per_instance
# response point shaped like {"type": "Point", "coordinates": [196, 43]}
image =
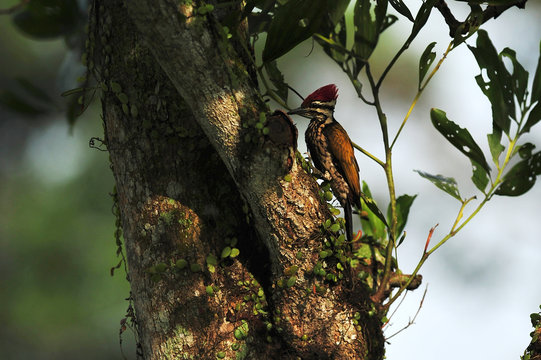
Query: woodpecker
{"type": "Point", "coordinates": [331, 149]}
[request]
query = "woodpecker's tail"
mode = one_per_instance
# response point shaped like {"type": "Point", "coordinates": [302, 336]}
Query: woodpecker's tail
{"type": "Point", "coordinates": [349, 221]}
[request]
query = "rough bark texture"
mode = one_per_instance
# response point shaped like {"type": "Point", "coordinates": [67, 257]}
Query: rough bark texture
{"type": "Point", "coordinates": [194, 175]}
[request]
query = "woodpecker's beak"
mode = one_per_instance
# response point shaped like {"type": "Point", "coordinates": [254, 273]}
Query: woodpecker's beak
{"type": "Point", "coordinates": [299, 111]}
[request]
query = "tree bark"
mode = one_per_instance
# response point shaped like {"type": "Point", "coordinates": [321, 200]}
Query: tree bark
{"type": "Point", "coordinates": [195, 177]}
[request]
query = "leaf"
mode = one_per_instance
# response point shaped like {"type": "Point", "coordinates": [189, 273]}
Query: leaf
{"type": "Point", "coordinates": [496, 148]}
{"type": "Point", "coordinates": [536, 86]}
{"type": "Point", "coordinates": [446, 184]}
{"type": "Point", "coordinates": [291, 270]}
{"type": "Point", "coordinates": [498, 86]}
{"type": "Point", "coordinates": [291, 281]}
{"type": "Point", "coordinates": [225, 252]}
{"type": "Point", "coordinates": [403, 204]}
{"type": "Point", "coordinates": [211, 260]}
{"type": "Point", "coordinates": [426, 61]}
{"type": "Point", "coordinates": [519, 77]}
{"type": "Point", "coordinates": [402, 9]}
{"type": "Point", "coordinates": [181, 263]}
{"type": "Point", "coordinates": [335, 227]}
{"type": "Point", "coordinates": [368, 18]}
{"type": "Point", "coordinates": [533, 117]}
{"type": "Point", "coordinates": [421, 18]}
{"type": "Point", "coordinates": [387, 22]}
{"type": "Point", "coordinates": [234, 253]}
{"type": "Point", "coordinates": [241, 332]}
{"type": "Point", "coordinates": [480, 177]}
{"type": "Point", "coordinates": [295, 22]}
{"type": "Point", "coordinates": [459, 137]}
{"type": "Point", "coordinates": [525, 150]}
{"type": "Point", "coordinates": [521, 177]}
{"type": "Point", "coordinates": [277, 78]}
{"type": "Point", "coordinates": [376, 223]}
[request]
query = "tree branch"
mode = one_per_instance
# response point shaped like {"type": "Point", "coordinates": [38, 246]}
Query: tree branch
{"type": "Point", "coordinates": [491, 12]}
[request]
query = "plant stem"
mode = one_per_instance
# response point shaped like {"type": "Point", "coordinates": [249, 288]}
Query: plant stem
{"type": "Point", "coordinates": [381, 163]}
{"type": "Point", "coordinates": [388, 168]}
{"type": "Point", "coordinates": [420, 91]}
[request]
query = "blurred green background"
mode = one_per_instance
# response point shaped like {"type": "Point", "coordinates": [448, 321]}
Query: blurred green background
{"type": "Point", "coordinates": [57, 297]}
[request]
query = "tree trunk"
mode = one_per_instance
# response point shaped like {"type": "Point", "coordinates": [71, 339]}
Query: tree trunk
{"type": "Point", "coordinates": [196, 177]}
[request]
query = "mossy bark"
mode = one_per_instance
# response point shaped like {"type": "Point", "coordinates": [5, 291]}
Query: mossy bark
{"type": "Point", "coordinates": [196, 176]}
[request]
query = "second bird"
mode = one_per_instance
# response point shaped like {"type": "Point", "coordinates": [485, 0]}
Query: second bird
{"type": "Point", "coordinates": [331, 149]}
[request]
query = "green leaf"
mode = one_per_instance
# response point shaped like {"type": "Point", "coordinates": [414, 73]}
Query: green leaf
{"type": "Point", "coordinates": [277, 78]}
{"type": "Point", "coordinates": [521, 177]}
{"type": "Point", "coordinates": [426, 61]}
{"type": "Point", "coordinates": [211, 260]}
{"type": "Point", "coordinates": [402, 9]}
{"type": "Point", "coordinates": [459, 137]}
{"type": "Point", "coordinates": [334, 227]}
{"type": "Point", "coordinates": [533, 117]}
{"type": "Point", "coordinates": [496, 148]}
{"type": "Point", "coordinates": [403, 204]}
{"type": "Point", "coordinates": [366, 251]}
{"type": "Point", "coordinates": [334, 49]}
{"type": "Point", "coordinates": [421, 18]}
{"type": "Point", "coordinates": [446, 184]}
{"type": "Point", "coordinates": [234, 253]}
{"type": "Point", "coordinates": [241, 332]}
{"type": "Point", "coordinates": [368, 18]}
{"type": "Point", "coordinates": [535, 318]}
{"type": "Point", "coordinates": [525, 150]}
{"type": "Point", "coordinates": [536, 86]}
{"type": "Point", "coordinates": [225, 252]}
{"type": "Point", "coordinates": [480, 177]}
{"type": "Point", "coordinates": [376, 223]}
{"type": "Point", "coordinates": [292, 270]}
{"type": "Point", "coordinates": [519, 77]}
{"type": "Point", "coordinates": [498, 87]}
{"type": "Point", "coordinates": [181, 264]}
{"type": "Point", "coordinates": [291, 281]}
{"type": "Point", "coordinates": [389, 20]}
{"type": "Point", "coordinates": [296, 21]}
{"type": "Point", "coordinates": [209, 290]}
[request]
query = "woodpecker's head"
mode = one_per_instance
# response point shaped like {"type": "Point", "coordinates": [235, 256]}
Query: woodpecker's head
{"type": "Point", "coordinates": [319, 104]}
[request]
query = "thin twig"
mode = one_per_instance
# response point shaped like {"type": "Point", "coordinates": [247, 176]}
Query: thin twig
{"type": "Point", "coordinates": [395, 310]}
{"type": "Point", "coordinates": [411, 321]}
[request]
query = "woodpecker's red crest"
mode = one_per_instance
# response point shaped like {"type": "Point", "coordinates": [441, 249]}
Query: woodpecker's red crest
{"type": "Point", "coordinates": [326, 93]}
